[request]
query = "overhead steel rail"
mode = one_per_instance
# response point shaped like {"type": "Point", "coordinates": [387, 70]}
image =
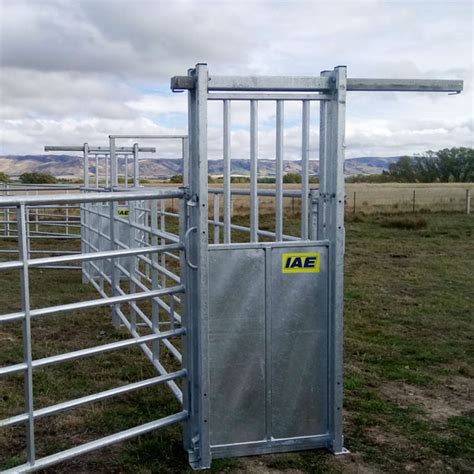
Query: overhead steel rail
{"type": "Point", "coordinates": [315, 84]}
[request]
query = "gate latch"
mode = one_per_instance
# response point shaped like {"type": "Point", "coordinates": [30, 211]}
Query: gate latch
{"type": "Point", "coordinates": [186, 248]}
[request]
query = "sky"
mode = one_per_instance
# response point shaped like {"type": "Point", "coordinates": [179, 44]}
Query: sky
{"type": "Point", "coordinates": [76, 71]}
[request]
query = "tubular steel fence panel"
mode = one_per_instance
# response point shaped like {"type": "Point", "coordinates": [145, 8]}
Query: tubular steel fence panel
{"type": "Point", "coordinates": [148, 331]}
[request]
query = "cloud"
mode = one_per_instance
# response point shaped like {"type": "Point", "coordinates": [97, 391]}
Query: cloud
{"type": "Point", "coordinates": [75, 71]}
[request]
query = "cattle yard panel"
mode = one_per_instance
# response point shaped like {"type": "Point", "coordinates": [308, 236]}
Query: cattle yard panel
{"type": "Point", "coordinates": [154, 330]}
{"type": "Point", "coordinates": [47, 225]}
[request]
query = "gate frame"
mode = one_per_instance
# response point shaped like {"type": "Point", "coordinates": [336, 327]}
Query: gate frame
{"type": "Point", "coordinates": [331, 88]}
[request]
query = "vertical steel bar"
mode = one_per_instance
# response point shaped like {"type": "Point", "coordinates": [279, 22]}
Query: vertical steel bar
{"type": "Point", "coordinates": [305, 170]}
{"type": "Point", "coordinates": [107, 181]}
{"type": "Point", "coordinates": [227, 172]}
{"type": "Point", "coordinates": [86, 165]}
{"type": "Point", "coordinates": [253, 171]}
{"type": "Point", "coordinates": [279, 171]}
{"type": "Point", "coordinates": [96, 170]}
{"type": "Point", "coordinates": [155, 323]}
{"type": "Point", "coordinates": [115, 275]}
{"type": "Point", "coordinates": [5, 210]}
{"type": "Point", "coordinates": [163, 241]}
{"type": "Point", "coordinates": [113, 163]}
{"type": "Point", "coordinates": [185, 155]}
{"type": "Point", "coordinates": [323, 163]}
{"type": "Point", "coordinates": [468, 201]}
{"type": "Point", "coordinates": [21, 217]}
{"type": "Point", "coordinates": [36, 216]}
{"type": "Point", "coordinates": [67, 215]}
{"type": "Point", "coordinates": [313, 228]}
{"type": "Point", "coordinates": [136, 168]}
{"type": "Point", "coordinates": [126, 170]}
{"type": "Point", "coordinates": [132, 219]}
{"type": "Point", "coordinates": [216, 218]}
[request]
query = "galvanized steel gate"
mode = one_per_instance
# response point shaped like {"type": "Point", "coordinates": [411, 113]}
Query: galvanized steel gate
{"type": "Point", "coordinates": [261, 308]}
{"type": "Point", "coordinates": [265, 363]}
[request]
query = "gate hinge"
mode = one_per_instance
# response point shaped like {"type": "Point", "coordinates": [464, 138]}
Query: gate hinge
{"type": "Point", "coordinates": [193, 201]}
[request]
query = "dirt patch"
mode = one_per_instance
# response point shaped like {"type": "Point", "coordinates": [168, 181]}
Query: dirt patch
{"type": "Point", "coordinates": [353, 464]}
{"type": "Point", "coordinates": [257, 465]}
{"type": "Point", "coordinates": [448, 399]}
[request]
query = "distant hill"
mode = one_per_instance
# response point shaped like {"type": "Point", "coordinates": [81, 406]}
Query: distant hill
{"type": "Point", "coordinates": [71, 166]}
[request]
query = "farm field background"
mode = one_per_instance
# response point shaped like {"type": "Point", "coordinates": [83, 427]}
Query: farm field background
{"type": "Point", "coordinates": [409, 307]}
{"type": "Point", "coordinates": [369, 198]}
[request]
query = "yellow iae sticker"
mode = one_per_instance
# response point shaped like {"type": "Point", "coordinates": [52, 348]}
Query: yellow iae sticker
{"type": "Point", "coordinates": [122, 212]}
{"type": "Point", "coordinates": [300, 262]}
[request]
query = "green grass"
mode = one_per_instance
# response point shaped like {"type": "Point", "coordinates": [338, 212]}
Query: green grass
{"type": "Point", "coordinates": [409, 307]}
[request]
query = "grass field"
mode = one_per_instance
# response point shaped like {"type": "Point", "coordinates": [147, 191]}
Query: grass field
{"type": "Point", "coordinates": [409, 352]}
{"type": "Point", "coordinates": [370, 198]}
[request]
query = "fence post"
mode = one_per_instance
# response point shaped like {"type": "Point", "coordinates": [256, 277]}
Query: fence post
{"type": "Point", "coordinates": [468, 201]}
{"type": "Point", "coordinates": [354, 208]}
{"type": "Point", "coordinates": [414, 200]}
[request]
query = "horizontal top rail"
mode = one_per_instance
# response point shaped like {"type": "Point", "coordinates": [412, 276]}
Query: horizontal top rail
{"type": "Point", "coordinates": [260, 192]}
{"type": "Point", "coordinates": [317, 84]}
{"type": "Point", "coordinates": [99, 149]}
{"type": "Point", "coordinates": [90, 197]}
{"type": "Point", "coordinates": [405, 85]}
{"type": "Point", "coordinates": [42, 189]}
{"type": "Point", "coordinates": [148, 137]}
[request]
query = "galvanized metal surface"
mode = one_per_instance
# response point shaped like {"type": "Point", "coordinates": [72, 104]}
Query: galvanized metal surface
{"type": "Point", "coordinates": [304, 376]}
{"type": "Point", "coordinates": [268, 347]}
{"type": "Point", "coordinates": [237, 349]}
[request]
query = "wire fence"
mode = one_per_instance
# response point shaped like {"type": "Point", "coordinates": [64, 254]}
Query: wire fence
{"type": "Point", "coordinates": [395, 198]}
{"type": "Point", "coordinates": [389, 198]}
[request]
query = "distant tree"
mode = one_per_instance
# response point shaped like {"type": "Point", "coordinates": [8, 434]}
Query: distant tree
{"type": "Point", "coordinates": [4, 178]}
{"type": "Point", "coordinates": [37, 178]}
{"type": "Point", "coordinates": [403, 170]}
{"type": "Point", "coordinates": [177, 178]}
{"type": "Point", "coordinates": [443, 166]}
{"type": "Point", "coordinates": [267, 180]}
{"type": "Point", "coordinates": [239, 179]}
{"type": "Point", "coordinates": [292, 178]}
{"type": "Point", "coordinates": [384, 177]}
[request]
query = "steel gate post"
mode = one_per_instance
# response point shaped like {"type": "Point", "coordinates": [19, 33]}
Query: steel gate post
{"type": "Point", "coordinates": [196, 400]}
{"type": "Point", "coordinates": [332, 217]}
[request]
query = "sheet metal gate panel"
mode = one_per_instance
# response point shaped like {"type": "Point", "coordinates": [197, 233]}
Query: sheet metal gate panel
{"type": "Point", "coordinates": [265, 348]}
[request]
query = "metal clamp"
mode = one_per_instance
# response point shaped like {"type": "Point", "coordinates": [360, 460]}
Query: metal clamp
{"type": "Point", "coordinates": [186, 251]}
